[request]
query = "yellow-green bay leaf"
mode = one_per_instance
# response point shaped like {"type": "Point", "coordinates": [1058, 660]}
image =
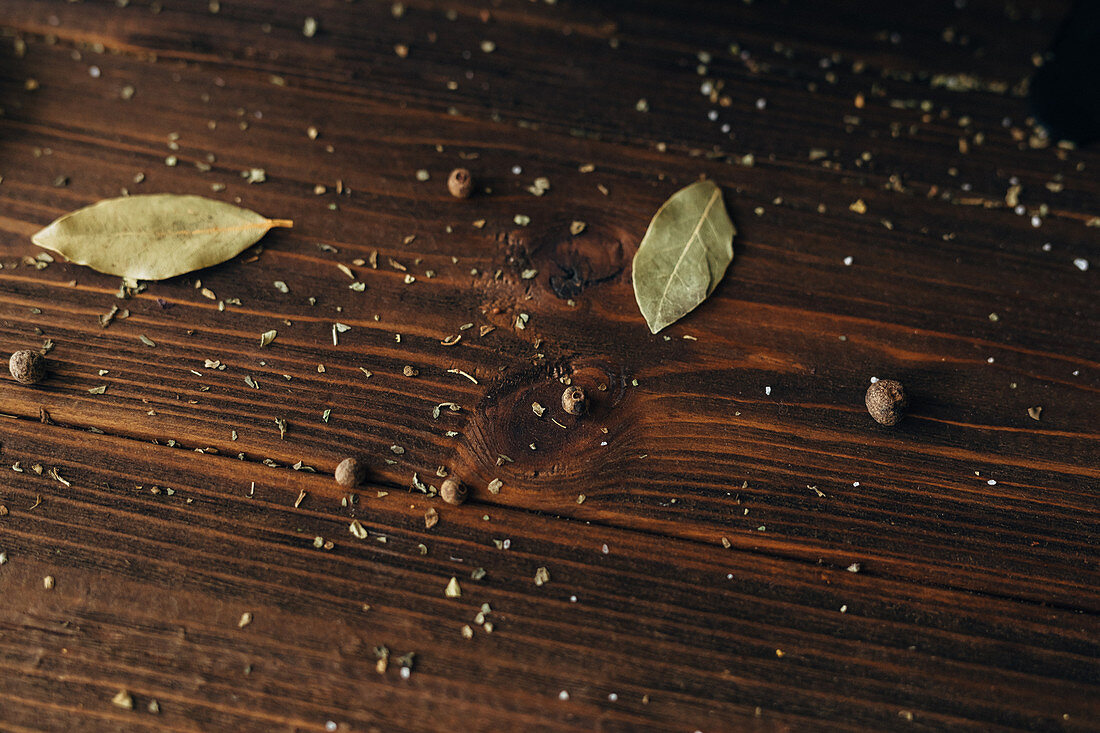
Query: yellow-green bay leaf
{"type": "Point", "coordinates": [155, 236]}
{"type": "Point", "coordinates": [683, 255]}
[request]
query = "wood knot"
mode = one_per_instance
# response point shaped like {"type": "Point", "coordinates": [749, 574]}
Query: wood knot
{"type": "Point", "coordinates": [567, 263]}
{"type": "Point", "coordinates": [521, 428]}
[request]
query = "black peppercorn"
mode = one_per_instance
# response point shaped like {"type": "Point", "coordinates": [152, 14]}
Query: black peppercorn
{"type": "Point", "coordinates": [573, 400]}
{"type": "Point", "coordinates": [350, 473]}
{"type": "Point", "coordinates": [886, 401]}
{"type": "Point", "coordinates": [27, 367]}
{"type": "Point", "coordinates": [460, 183]}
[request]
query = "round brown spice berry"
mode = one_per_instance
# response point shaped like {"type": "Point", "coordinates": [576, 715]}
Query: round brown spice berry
{"type": "Point", "coordinates": [452, 491]}
{"type": "Point", "coordinates": [460, 183]}
{"type": "Point", "coordinates": [27, 367]}
{"type": "Point", "coordinates": [573, 400]}
{"type": "Point", "coordinates": [350, 473]}
{"type": "Point", "coordinates": [886, 401]}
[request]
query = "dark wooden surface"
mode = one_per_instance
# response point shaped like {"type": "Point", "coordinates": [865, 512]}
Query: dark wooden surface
{"type": "Point", "coordinates": [939, 575]}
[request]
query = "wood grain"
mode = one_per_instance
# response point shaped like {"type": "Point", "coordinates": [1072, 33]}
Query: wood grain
{"type": "Point", "coordinates": [941, 574]}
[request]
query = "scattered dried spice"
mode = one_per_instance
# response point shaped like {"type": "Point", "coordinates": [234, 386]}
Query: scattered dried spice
{"type": "Point", "coordinates": [27, 367]}
{"type": "Point", "coordinates": [886, 401]}
{"type": "Point", "coordinates": [459, 371]}
{"type": "Point", "coordinates": [453, 590]}
{"type": "Point", "coordinates": [542, 576]}
{"type": "Point", "coordinates": [246, 619]}
{"type": "Point", "coordinates": [431, 517]}
{"type": "Point", "coordinates": [406, 662]}
{"type": "Point", "coordinates": [495, 486]}
{"type": "Point", "coordinates": [436, 411]}
{"type": "Point", "coordinates": [267, 337]}
{"type": "Point", "coordinates": [1034, 412]}
{"type": "Point", "coordinates": [123, 699]}
{"type": "Point", "coordinates": [357, 529]}
{"type": "Point", "coordinates": [539, 187]}
{"type": "Point", "coordinates": [106, 318]}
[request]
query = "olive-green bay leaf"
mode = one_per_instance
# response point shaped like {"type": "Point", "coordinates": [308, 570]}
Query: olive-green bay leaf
{"type": "Point", "coordinates": [156, 236]}
{"type": "Point", "coordinates": [683, 255]}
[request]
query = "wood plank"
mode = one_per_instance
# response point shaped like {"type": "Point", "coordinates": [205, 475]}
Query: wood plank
{"type": "Point", "coordinates": [971, 523]}
{"type": "Point", "coordinates": [217, 553]}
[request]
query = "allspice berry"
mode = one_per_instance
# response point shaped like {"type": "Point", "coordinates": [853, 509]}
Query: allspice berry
{"type": "Point", "coordinates": [460, 183]}
{"type": "Point", "coordinates": [350, 473]}
{"type": "Point", "coordinates": [573, 400]}
{"type": "Point", "coordinates": [452, 491]}
{"type": "Point", "coordinates": [27, 367]}
{"type": "Point", "coordinates": [886, 401]}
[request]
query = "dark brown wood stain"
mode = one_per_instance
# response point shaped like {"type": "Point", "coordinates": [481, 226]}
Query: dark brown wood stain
{"type": "Point", "coordinates": [937, 575]}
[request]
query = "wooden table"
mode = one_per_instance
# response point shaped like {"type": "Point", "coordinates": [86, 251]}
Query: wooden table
{"type": "Point", "coordinates": [729, 542]}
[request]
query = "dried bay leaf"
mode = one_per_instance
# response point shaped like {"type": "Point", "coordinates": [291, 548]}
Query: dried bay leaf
{"type": "Point", "coordinates": [155, 236]}
{"type": "Point", "coordinates": [683, 255]}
